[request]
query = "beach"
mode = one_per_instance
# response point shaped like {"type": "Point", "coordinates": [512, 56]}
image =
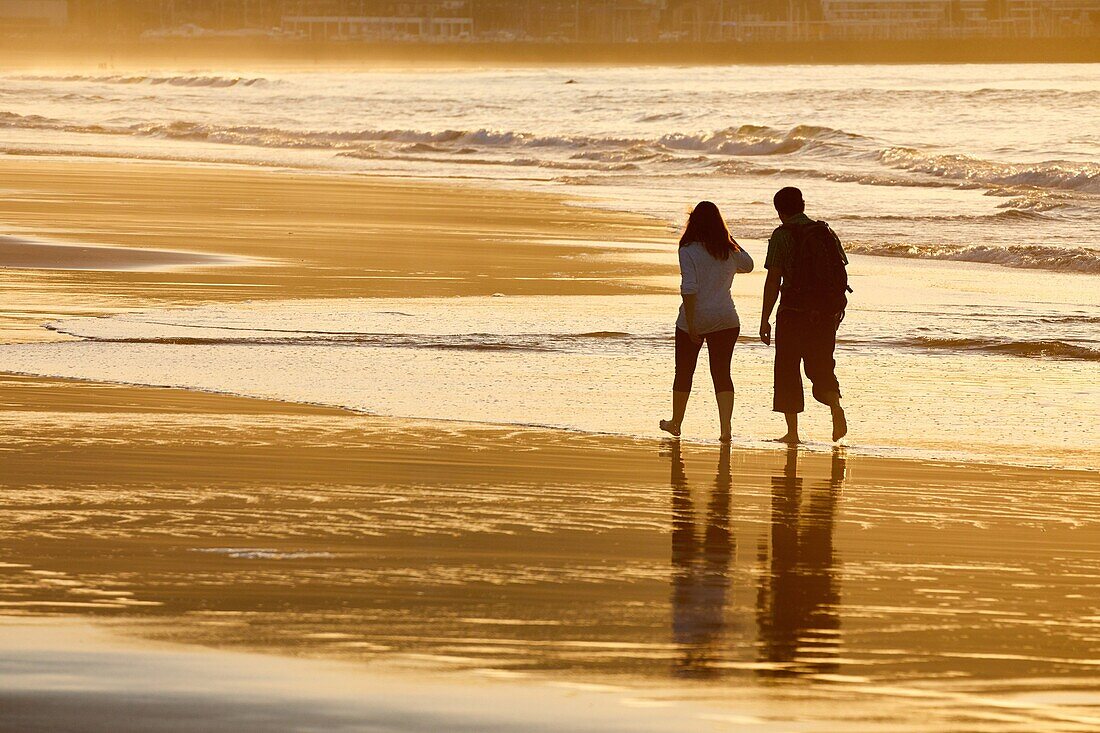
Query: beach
{"type": "Point", "coordinates": [439, 561]}
{"type": "Point", "coordinates": [315, 429]}
{"type": "Point", "coordinates": [467, 558]}
{"type": "Point", "coordinates": [517, 307]}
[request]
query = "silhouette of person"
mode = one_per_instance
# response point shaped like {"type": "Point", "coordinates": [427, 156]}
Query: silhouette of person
{"type": "Point", "coordinates": [806, 265]}
{"type": "Point", "coordinates": [709, 259]}
{"type": "Point", "coordinates": [701, 568]}
{"type": "Point", "coordinates": [798, 599]}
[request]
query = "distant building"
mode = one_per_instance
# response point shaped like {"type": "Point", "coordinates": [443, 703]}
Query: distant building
{"type": "Point", "coordinates": [446, 20]}
{"type": "Point", "coordinates": [895, 17]}
{"type": "Point", "coordinates": [944, 18]}
{"type": "Point", "coordinates": [33, 14]}
{"type": "Point", "coordinates": [378, 28]}
{"type": "Point", "coordinates": [1049, 17]}
{"type": "Point", "coordinates": [618, 21]}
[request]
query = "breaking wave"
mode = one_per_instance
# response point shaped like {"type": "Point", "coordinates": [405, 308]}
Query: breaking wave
{"type": "Point", "coordinates": [744, 140]}
{"type": "Point", "coordinates": [802, 151]}
{"type": "Point", "coordinates": [1049, 349]}
{"type": "Point", "coordinates": [760, 140]}
{"type": "Point", "coordinates": [1057, 174]}
{"type": "Point", "coordinates": [174, 81]}
{"type": "Point", "coordinates": [107, 330]}
{"type": "Point", "coordinates": [1033, 257]}
{"type": "Point", "coordinates": [1004, 216]}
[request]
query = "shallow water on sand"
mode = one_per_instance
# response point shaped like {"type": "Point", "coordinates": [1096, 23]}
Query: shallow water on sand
{"type": "Point", "coordinates": [981, 363]}
{"type": "Point", "coordinates": [790, 588]}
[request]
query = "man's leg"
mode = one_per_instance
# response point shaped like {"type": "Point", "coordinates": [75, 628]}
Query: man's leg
{"type": "Point", "coordinates": [792, 428]}
{"type": "Point", "coordinates": [788, 397]}
{"type": "Point", "coordinates": [821, 369]}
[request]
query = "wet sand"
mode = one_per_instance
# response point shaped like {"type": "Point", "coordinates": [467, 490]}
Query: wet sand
{"type": "Point", "coordinates": [92, 680]}
{"type": "Point", "coordinates": [793, 589]}
{"type": "Point", "coordinates": [758, 588]}
{"type": "Point", "coordinates": [17, 253]}
{"type": "Point", "coordinates": [318, 236]}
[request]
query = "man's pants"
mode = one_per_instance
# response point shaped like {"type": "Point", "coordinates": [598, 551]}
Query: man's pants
{"type": "Point", "coordinates": [804, 337]}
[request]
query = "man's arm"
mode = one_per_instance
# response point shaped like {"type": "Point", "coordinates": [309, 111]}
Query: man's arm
{"type": "Point", "coordinates": [771, 294]}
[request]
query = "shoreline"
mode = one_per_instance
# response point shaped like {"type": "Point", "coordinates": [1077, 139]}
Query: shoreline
{"type": "Point", "coordinates": [759, 447]}
{"type": "Point", "coordinates": [331, 263]}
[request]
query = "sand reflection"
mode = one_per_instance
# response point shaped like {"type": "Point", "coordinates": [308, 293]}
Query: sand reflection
{"type": "Point", "coordinates": [555, 557]}
{"type": "Point", "coordinates": [797, 606]}
{"type": "Point", "coordinates": [700, 568]}
{"type": "Point", "coordinates": [798, 600]}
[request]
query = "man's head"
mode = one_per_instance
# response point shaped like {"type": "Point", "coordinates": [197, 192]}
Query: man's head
{"type": "Point", "coordinates": [788, 202]}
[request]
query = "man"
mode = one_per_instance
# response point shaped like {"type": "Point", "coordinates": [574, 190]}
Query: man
{"type": "Point", "coordinates": [806, 264]}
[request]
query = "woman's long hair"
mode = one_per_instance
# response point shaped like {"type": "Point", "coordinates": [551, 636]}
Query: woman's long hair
{"type": "Point", "coordinates": [706, 225]}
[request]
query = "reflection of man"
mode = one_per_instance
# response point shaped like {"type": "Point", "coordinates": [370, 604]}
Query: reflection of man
{"type": "Point", "coordinates": [700, 568]}
{"type": "Point", "coordinates": [798, 598]}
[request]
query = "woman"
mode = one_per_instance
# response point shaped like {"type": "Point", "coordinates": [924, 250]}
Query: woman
{"type": "Point", "coordinates": [709, 258]}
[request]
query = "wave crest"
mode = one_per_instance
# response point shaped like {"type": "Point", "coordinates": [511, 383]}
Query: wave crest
{"type": "Point", "coordinates": [175, 81]}
{"type": "Point", "coordinates": [759, 140]}
{"type": "Point", "coordinates": [1048, 349]}
{"type": "Point", "coordinates": [1057, 174]}
{"type": "Point", "coordinates": [1032, 257]}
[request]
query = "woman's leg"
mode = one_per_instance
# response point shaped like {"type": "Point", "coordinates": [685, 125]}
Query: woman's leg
{"type": "Point", "coordinates": [720, 350]}
{"type": "Point", "coordinates": [687, 355]}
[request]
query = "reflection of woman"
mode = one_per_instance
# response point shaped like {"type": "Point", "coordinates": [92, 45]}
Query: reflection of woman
{"type": "Point", "coordinates": [709, 258]}
{"type": "Point", "coordinates": [700, 570]}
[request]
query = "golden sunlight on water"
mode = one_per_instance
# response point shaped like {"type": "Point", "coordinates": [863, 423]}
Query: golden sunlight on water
{"type": "Point", "coordinates": [679, 573]}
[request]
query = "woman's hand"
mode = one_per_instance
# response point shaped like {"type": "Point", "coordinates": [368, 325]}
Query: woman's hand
{"type": "Point", "coordinates": [693, 334]}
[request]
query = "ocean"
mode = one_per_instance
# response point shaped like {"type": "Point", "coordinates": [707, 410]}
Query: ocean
{"type": "Point", "coordinates": [968, 197]}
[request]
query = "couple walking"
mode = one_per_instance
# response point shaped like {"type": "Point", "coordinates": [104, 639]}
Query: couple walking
{"type": "Point", "coordinates": [806, 273]}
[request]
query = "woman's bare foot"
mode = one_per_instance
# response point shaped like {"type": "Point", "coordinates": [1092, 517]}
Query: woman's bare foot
{"type": "Point", "coordinates": [671, 428]}
{"type": "Point", "coordinates": [725, 438]}
{"type": "Point", "coordinates": [840, 423]}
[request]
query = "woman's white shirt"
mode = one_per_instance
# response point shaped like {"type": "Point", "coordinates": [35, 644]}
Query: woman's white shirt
{"type": "Point", "coordinates": [710, 280]}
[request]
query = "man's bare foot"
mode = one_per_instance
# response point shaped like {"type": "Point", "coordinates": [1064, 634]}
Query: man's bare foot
{"type": "Point", "coordinates": [725, 438]}
{"type": "Point", "coordinates": [671, 428]}
{"type": "Point", "coordinates": [840, 424]}
{"type": "Point", "coordinates": [789, 439]}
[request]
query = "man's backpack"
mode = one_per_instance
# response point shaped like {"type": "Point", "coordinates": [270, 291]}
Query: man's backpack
{"type": "Point", "coordinates": [815, 278]}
